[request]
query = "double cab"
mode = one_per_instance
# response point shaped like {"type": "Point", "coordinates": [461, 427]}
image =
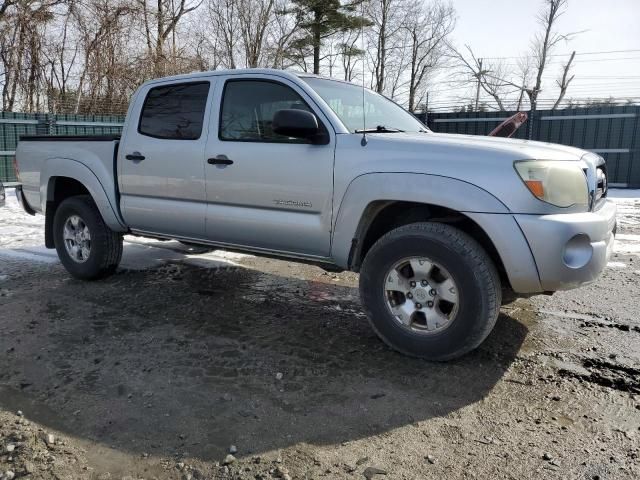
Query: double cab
{"type": "Point", "coordinates": [442, 228]}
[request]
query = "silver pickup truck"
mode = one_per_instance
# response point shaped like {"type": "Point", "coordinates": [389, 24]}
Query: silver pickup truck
{"type": "Point", "coordinates": [441, 227]}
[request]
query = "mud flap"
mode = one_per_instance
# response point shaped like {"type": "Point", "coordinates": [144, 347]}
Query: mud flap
{"type": "Point", "coordinates": [48, 224]}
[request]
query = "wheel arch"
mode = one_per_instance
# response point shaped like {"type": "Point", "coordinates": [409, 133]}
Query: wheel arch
{"type": "Point", "coordinates": [380, 217]}
{"type": "Point", "coordinates": [407, 198]}
{"type": "Point", "coordinates": [73, 178]}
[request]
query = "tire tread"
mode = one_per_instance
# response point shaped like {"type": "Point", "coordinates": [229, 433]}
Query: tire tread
{"type": "Point", "coordinates": [484, 269]}
{"type": "Point", "coordinates": [112, 241]}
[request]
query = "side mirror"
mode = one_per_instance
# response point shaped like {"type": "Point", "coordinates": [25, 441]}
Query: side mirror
{"type": "Point", "coordinates": [299, 124]}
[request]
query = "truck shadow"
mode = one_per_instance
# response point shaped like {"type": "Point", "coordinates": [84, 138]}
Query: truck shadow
{"type": "Point", "coordinates": [185, 359]}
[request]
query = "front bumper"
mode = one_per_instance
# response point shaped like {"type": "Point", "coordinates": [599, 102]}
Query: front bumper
{"type": "Point", "coordinates": [570, 249]}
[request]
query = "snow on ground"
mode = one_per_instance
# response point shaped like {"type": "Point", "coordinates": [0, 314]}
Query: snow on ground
{"type": "Point", "coordinates": [17, 229]}
{"type": "Point", "coordinates": [628, 236]}
{"type": "Point", "coordinates": [624, 193]}
{"type": "Point", "coordinates": [21, 235]}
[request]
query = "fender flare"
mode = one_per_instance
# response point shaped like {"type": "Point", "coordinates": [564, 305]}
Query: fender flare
{"type": "Point", "coordinates": [409, 187]}
{"type": "Point", "coordinates": [493, 216]}
{"type": "Point", "coordinates": [70, 168]}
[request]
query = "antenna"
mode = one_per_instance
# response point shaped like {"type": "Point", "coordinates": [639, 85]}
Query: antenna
{"type": "Point", "coordinates": [363, 142]}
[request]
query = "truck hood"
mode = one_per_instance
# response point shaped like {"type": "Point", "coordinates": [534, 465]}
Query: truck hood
{"type": "Point", "coordinates": [510, 149]}
{"type": "Point", "coordinates": [486, 162]}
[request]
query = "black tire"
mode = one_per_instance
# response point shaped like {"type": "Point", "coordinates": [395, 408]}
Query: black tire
{"type": "Point", "coordinates": [474, 273]}
{"type": "Point", "coordinates": [106, 245]}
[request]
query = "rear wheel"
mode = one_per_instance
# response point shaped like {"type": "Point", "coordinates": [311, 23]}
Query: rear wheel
{"type": "Point", "coordinates": [430, 291]}
{"type": "Point", "coordinates": [86, 246]}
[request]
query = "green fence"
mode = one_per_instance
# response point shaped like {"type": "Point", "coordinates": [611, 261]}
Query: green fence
{"type": "Point", "coordinates": [13, 125]}
{"type": "Point", "coordinates": [609, 131]}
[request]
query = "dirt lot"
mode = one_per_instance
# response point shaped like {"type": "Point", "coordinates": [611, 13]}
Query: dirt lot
{"type": "Point", "coordinates": [180, 359]}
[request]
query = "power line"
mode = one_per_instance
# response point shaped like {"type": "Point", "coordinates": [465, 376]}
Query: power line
{"type": "Point", "coordinates": [565, 54]}
{"type": "Point", "coordinates": [605, 77]}
{"type": "Point", "coordinates": [540, 101]}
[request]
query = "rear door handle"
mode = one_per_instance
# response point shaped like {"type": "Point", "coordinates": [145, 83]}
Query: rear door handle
{"type": "Point", "coordinates": [220, 160]}
{"type": "Point", "coordinates": [135, 156]}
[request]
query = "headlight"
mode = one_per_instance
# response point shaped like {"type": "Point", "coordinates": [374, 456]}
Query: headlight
{"type": "Point", "coordinates": [562, 184]}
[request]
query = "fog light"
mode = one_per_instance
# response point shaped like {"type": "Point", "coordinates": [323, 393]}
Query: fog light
{"type": "Point", "coordinates": [578, 251]}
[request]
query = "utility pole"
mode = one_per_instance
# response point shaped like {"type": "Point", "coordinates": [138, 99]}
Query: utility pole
{"type": "Point", "coordinates": [478, 77]}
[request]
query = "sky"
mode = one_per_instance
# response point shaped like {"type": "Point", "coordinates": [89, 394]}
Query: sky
{"type": "Point", "coordinates": [504, 28]}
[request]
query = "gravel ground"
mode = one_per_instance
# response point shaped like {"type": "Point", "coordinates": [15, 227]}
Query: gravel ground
{"type": "Point", "coordinates": [187, 365]}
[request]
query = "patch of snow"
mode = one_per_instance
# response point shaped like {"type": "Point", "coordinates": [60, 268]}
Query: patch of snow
{"type": "Point", "coordinates": [22, 237]}
{"type": "Point", "coordinates": [209, 261]}
{"type": "Point", "coordinates": [137, 256]}
{"type": "Point", "coordinates": [30, 253]}
{"type": "Point", "coordinates": [626, 193]}
{"type": "Point", "coordinates": [627, 243]}
{"type": "Point", "coordinates": [176, 245]}
{"type": "Point", "coordinates": [229, 255]}
{"type": "Point", "coordinates": [17, 228]}
{"type": "Point", "coordinates": [628, 237]}
{"type": "Point", "coordinates": [616, 265]}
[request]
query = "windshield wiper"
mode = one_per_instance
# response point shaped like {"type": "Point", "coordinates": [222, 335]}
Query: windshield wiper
{"type": "Point", "coordinates": [380, 129]}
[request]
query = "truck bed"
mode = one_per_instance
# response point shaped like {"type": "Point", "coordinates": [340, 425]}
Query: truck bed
{"type": "Point", "coordinates": [39, 157]}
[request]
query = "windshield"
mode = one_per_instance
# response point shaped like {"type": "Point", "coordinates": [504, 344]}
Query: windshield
{"type": "Point", "coordinates": [382, 114]}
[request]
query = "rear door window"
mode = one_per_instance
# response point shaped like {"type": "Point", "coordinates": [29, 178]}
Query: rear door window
{"type": "Point", "coordinates": [174, 112]}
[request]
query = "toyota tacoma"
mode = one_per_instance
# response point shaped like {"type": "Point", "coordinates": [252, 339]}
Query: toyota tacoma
{"type": "Point", "coordinates": [440, 227]}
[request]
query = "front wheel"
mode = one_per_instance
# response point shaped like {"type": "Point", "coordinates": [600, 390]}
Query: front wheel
{"type": "Point", "coordinates": [430, 291]}
{"type": "Point", "coordinates": [86, 246]}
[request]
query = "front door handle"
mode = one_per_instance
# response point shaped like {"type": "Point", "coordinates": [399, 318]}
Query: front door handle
{"type": "Point", "coordinates": [220, 160]}
{"type": "Point", "coordinates": [135, 156]}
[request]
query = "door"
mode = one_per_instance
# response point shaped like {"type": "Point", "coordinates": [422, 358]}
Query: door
{"type": "Point", "coordinates": [161, 159]}
{"type": "Point", "coordinates": [264, 190]}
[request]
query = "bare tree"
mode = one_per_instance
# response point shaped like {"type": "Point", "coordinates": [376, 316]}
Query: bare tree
{"type": "Point", "coordinates": [350, 53]}
{"type": "Point", "coordinates": [544, 43]}
{"type": "Point", "coordinates": [224, 19]}
{"type": "Point", "coordinates": [494, 80]}
{"type": "Point", "coordinates": [90, 55]}
{"type": "Point", "coordinates": [388, 18]}
{"type": "Point", "coordinates": [4, 6]}
{"type": "Point", "coordinates": [487, 78]}
{"type": "Point", "coordinates": [397, 64]}
{"type": "Point", "coordinates": [60, 59]}
{"type": "Point", "coordinates": [524, 67]}
{"type": "Point", "coordinates": [167, 14]}
{"type": "Point", "coordinates": [427, 28]}
{"type": "Point", "coordinates": [23, 25]}
{"type": "Point", "coordinates": [255, 18]}
{"type": "Point", "coordinates": [284, 28]}
{"type": "Point", "coordinates": [564, 81]}
{"type": "Point", "coordinates": [99, 23]}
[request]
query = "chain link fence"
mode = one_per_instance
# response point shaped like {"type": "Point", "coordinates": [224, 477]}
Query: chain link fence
{"type": "Point", "coordinates": [14, 125]}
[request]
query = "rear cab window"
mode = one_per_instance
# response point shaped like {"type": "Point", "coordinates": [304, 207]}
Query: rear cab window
{"type": "Point", "coordinates": [174, 112]}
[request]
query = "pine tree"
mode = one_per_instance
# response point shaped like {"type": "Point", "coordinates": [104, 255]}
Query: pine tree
{"type": "Point", "coordinates": [323, 18]}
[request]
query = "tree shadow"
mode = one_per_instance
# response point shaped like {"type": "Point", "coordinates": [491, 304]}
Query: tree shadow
{"type": "Point", "coordinates": [182, 358]}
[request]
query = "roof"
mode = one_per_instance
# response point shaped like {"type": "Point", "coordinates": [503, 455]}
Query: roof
{"type": "Point", "coordinates": [291, 74]}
